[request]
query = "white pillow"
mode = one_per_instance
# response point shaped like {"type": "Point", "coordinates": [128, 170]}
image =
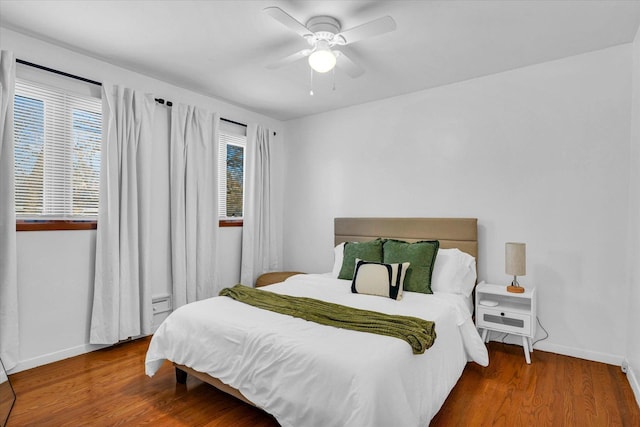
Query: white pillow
{"type": "Point", "coordinates": [468, 282]}
{"type": "Point", "coordinates": [376, 278]}
{"type": "Point", "coordinates": [338, 256]}
{"type": "Point", "coordinates": [454, 272]}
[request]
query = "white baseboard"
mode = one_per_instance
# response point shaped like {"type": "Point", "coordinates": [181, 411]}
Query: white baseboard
{"type": "Point", "coordinates": [56, 356]}
{"type": "Point", "coordinates": [594, 356]}
{"type": "Point", "coordinates": [44, 359]}
{"type": "Point", "coordinates": [633, 381]}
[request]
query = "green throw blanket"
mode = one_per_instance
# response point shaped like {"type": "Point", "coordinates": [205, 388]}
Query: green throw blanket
{"type": "Point", "coordinates": [419, 333]}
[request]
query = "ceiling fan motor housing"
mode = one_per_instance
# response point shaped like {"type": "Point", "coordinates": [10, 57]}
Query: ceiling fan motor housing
{"type": "Point", "coordinates": [323, 27]}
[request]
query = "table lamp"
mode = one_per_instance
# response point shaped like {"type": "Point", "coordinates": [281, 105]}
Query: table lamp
{"type": "Point", "coordinates": [515, 264]}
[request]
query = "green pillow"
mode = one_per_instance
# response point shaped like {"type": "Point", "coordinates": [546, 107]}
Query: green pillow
{"type": "Point", "coordinates": [421, 255]}
{"type": "Point", "coordinates": [366, 251]}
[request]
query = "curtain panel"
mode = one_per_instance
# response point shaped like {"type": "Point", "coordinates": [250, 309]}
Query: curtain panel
{"type": "Point", "coordinates": [122, 301]}
{"type": "Point", "coordinates": [259, 240]}
{"type": "Point", "coordinates": [9, 344]}
{"type": "Point", "coordinates": [194, 203]}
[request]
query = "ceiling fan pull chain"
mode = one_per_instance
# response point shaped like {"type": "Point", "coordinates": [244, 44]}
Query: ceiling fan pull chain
{"type": "Point", "coordinates": [311, 83]}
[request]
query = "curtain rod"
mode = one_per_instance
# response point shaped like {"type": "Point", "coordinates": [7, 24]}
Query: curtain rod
{"type": "Point", "coordinates": [169, 104]}
{"type": "Point", "coordinates": [232, 122]}
{"type": "Point", "coordinates": [84, 79]}
{"type": "Point", "coordinates": [54, 71]}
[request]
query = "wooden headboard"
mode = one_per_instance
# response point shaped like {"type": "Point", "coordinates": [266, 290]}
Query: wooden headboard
{"type": "Point", "coordinates": [461, 233]}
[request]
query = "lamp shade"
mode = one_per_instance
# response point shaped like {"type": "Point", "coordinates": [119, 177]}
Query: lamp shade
{"type": "Point", "coordinates": [515, 259]}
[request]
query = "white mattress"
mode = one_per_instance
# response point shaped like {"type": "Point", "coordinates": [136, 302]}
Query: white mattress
{"type": "Point", "coordinates": [306, 374]}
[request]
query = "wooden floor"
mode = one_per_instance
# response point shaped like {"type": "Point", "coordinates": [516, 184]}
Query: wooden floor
{"type": "Point", "coordinates": [108, 387]}
{"type": "Point", "coordinates": [554, 390]}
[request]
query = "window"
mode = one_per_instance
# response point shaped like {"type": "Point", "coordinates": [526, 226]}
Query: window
{"type": "Point", "coordinates": [231, 179]}
{"type": "Point", "coordinates": [57, 153]}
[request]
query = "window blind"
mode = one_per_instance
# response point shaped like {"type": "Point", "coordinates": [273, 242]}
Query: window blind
{"type": "Point", "coordinates": [57, 152]}
{"type": "Point", "coordinates": [231, 181]}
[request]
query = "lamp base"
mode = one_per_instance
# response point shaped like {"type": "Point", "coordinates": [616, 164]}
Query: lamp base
{"type": "Point", "coordinates": [515, 289]}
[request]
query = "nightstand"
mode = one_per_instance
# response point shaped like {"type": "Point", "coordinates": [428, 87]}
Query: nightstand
{"type": "Point", "coordinates": [506, 312]}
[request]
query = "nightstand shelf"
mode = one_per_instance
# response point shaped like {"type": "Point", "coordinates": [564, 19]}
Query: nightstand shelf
{"type": "Point", "coordinates": [501, 311]}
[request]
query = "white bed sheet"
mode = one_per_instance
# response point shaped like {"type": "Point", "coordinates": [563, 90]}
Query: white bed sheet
{"type": "Point", "coordinates": [306, 374]}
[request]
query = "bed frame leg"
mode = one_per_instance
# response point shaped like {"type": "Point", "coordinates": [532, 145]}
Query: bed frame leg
{"type": "Point", "coordinates": [181, 376]}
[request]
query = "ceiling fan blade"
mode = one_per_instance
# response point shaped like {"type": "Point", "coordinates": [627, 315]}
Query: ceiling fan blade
{"type": "Point", "coordinates": [289, 59]}
{"type": "Point", "coordinates": [364, 31]}
{"type": "Point", "coordinates": [345, 63]}
{"type": "Point", "coordinates": [287, 20]}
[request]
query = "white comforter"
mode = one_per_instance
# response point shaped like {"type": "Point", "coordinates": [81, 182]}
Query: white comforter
{"type": "Point", "coordinates": [306, 374]}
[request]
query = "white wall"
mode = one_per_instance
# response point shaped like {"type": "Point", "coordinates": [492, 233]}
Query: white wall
{"type": "Point", "coordinates": [537, 154]}
{"type": "Point", "coordinates": [633, 318]}
{"type": "Point", "coordinates": [55, 269]}
{"type": "Point", "coordinates": [54, 296]}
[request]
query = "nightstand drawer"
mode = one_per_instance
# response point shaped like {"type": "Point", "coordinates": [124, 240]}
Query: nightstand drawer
{"type": "Point", "coordinates": [505, 321]}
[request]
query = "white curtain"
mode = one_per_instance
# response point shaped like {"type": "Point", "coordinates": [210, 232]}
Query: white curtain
{"type": "Point", "coordinates": [122, 305]}
{"type": "Point", "coordinates": [194, 203]}
{"type": "Point", "coordinates": [259, 240]}
{"type": "Point", "coordinates": [8, 264]}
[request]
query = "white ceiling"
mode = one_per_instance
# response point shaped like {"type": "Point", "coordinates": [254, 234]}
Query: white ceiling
{"type": "Point", "coordinates": [220, 48]}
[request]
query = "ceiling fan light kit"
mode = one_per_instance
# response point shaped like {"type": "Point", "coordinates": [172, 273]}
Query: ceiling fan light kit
{"type": "Point", "coordinates": [322, 59]}
{"type": "Point", "coordinates": [323, 33]}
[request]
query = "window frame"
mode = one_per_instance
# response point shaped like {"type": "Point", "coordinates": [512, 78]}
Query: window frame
{"type": "Point", "coordinates": [230, 222]}
{"type": "Point", "coordinates": [63, 83]}
{"type": "Point", "coordinates": [55, 225]}
{"type": "Point", "coordinates": [234, 131]}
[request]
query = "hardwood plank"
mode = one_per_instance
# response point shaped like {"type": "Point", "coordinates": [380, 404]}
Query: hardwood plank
{"type": "Point", "coordinates": [553, 390]}
{"type": "Point", "coordinates": [108, 388]}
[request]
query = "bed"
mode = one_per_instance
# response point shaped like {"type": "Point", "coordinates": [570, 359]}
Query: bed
{"type": "Point", "coordinates": [308, 374]}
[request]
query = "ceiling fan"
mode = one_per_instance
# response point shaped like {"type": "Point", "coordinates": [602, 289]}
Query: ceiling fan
{"type": "Point", "coordinates": [327, 41]}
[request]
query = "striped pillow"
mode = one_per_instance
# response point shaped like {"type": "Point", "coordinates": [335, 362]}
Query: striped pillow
{"type": "Point", "coordinates": [376, 278]}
